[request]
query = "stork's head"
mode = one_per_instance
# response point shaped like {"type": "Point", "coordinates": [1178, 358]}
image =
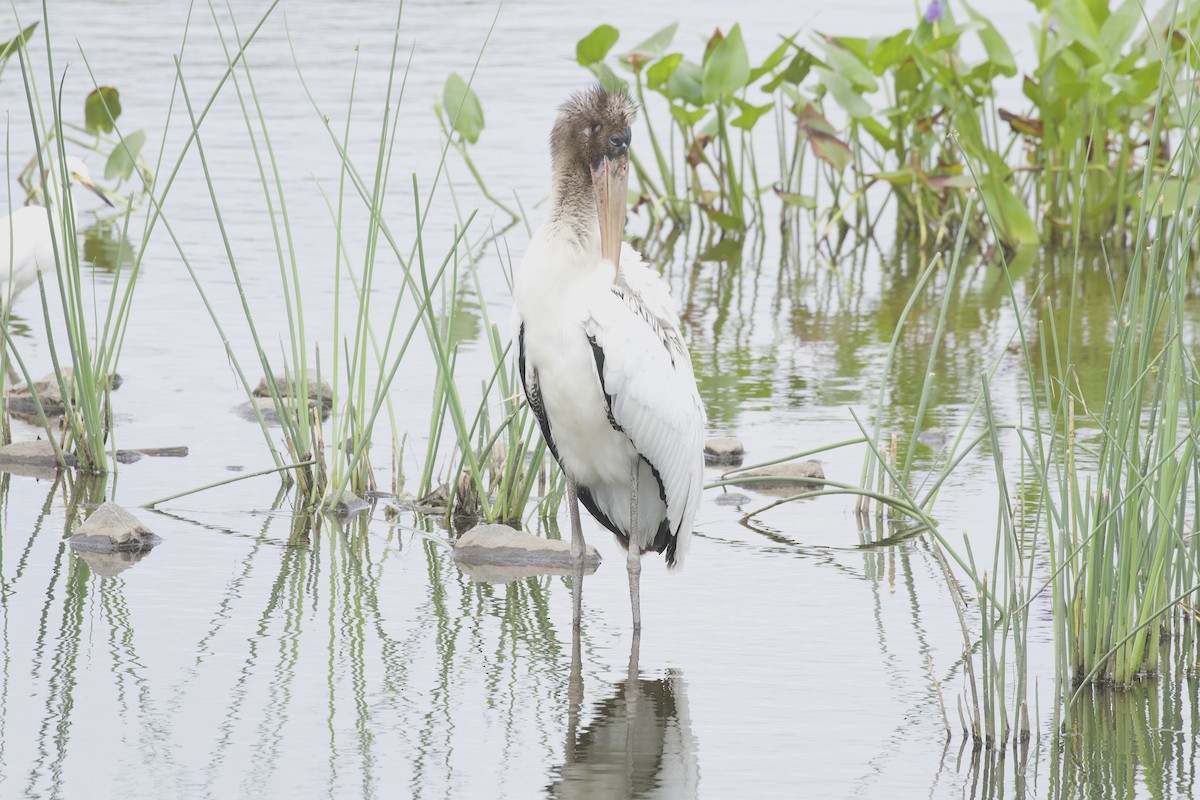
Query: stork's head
{"type": "Point", "coordinates": [591, 140]}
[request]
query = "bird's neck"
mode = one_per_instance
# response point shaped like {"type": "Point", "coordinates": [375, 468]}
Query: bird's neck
{"type": "Point", "coordinates": [573, 210]}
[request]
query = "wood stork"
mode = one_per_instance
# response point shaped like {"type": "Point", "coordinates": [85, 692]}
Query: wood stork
{"type": "Point", "coordinates": [25, 241]}
{"type": "Point", "coordinates": [603, 363]}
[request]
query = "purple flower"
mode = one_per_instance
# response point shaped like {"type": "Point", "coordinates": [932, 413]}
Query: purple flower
{"type": "Point", "coordinates": [935, 11]}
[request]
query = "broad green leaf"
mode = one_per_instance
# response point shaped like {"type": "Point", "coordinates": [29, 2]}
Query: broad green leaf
{"type": "Point", "coordinates": [1176, 194]}
{"type": "Point", "coordinates": [772, 61]}
{"type": "Point", "coordinates": [7, 48]}
{"type": "Point", "coordinates": [725, 221]}
{"type": "Point", "coordinates": [878, 132]}
{"type": "Point", "coordinates": [463, 108]}
{"type": "Point", "coordinates": [123, 159]}
{"type": "Point", "coordinates": [993, 44]}
{"type": "Point", "coordinates": [661, 71]}
{"type": "Point", "coordinates": [1008, 212]}
{"type": "Point", "coordinates": [685, 83]}
{"type": "Point", "coordinates": [797, 70]}
{"type": "Point", "coordinates": [595, 46]}
{"type": "Point", "coordinates": [848, 65]}
{"type": "Point", "coordinates": [101, 109]}
{"type": "Point", "coordinates": [687, 118]}
{"type": "Point", "coordinates": [889, 52]}
{"type": "Point", "coordinates": [1076, 24]}
{"type": "Point", "coordinates": [1119, 26]}
{"type": "Point", "coordinates": [900, 177]}
{"type": "Point", "coordinates": [608, 79]}
{"type": "Point", "coordinates": [655, 46]}
{"type": "Point", "coordinates": [750, 114]}
{"type": "Point", "coordinates": [845, 95]}
{"type": "Point", "coordinates": [807, 202]}
{"type": "Point", "coordinates": [959, 182]}
{"type": "Point", "coordinates": [727, 68]}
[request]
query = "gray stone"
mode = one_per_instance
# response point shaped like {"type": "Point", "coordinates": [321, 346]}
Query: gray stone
{"type": "Point", "coordinates": [20, 398]}
{"type": "Point", "coordinates": [932, 438]}
{"type": "Point", "coordinates": [316, 390]}
{"type": "Point", "coordinates": [36, 458]}
{"type": "Point", "coordinates": [790, 478]}
{"type": "Point", "coordinates": [731, 499]}
{"type": "Point", "coordinates": [112, 525]}
{"type": "Point", "coordinates": [267, 406]}
{"type": "Point", "coordinates": [723, 450]}
{"type": "Point", "coordinates": [500, 554]}
{"type": "Point", "coordinates": [349, 505]}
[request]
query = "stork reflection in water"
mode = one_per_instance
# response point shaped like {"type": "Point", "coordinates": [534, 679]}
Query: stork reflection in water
{"type": "Point", "coordinates": [602, 360]}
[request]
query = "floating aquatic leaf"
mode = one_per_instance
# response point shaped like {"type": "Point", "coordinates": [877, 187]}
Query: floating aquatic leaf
{"type": "Point", "coordinates": [101, 109]}
{"type": "Point", "coordinates": [595, 46]}
{"type": "Point", "coordinates": [463, 107]}
{"type": "Point", "coordinates": [804, 201]}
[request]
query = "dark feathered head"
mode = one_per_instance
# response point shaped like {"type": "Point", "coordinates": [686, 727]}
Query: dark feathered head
{"type": "Point", "coordinates": [591, 125]}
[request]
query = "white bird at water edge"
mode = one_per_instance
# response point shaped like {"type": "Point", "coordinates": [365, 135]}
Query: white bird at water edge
{"type": "Point", "coordinates": [603, 363]}
{"type": "Point", "coordinates": [25, 240]}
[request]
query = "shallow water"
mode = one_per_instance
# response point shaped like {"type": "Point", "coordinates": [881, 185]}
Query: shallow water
{"type": "Point", "coordinates": [259, 654]}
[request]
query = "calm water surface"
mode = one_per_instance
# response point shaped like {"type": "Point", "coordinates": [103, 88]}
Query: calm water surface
{"type": "Point", "coordinates": [255, 654]}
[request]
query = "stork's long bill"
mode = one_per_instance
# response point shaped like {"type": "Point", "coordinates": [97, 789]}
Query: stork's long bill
{"type": "Point", "coordinates": [610, 178]}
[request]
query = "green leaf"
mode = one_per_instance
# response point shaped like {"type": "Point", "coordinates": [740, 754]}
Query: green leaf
{"type": "Point", "coordinates": [685, 83]}
{"type": "Point", "coordinates": [123, 159]}
{"type": "Point", "coordinates": [846, 96]}
{"type": "Point", "coordinates": [847, 65]}
{"type": "Point", "coordinates": [661, 71]}
{"type": "Point", "coordinates": [608, 79]}
{"type": "Point", "coordinates": [750, 114]}
{"type": "Point", "coordinates": [463, 107]}
{"type": "Point", "coordinates": [772, 61]}
{"type": "Point", "coordinates": [653, 47]}
{"type": "Point", "coordinates": [725, 221]}
{"type": "Point", "coordinates": [101, 109]}
{"type": "Point", "coordinates": [878, 132]}
{"type": "Point", "coordinates": [727, 68]}
{"type": "Point", "coordinates": [1008, 212]}
{"type": "Point", "coordinates": [994, 45]}
{"type": "Point", "coordinates": [687, 118]}
{"type": "Point", "coordinates": [595, 46]}
{"type": "Point", "coordinates": [11, 46]}
{"type": "Point", "coordinates": [890, 52]}
{"type": "Point", "coordinates": [807, 202]}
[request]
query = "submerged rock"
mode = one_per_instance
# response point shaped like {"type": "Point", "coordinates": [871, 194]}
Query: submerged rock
{"type": "Point", "coordinates": [500, 554]}
{"type": "Point", "coordinates": [270, 415]}
{"type": "Point", "coordinates": [349, 505]}
{"type": "Point", "coordinates": [731, 499]}
{"type": "Point", "coordinates": [112, 529]}
{"type": "Point", "coordinates": [20, 398]}
{"type": "Point", "coordinates": [791, 478]}
{"type": "Point", "coordinates": [315, 390]}
{"type": "Point", "coordinates": [723, 450]}
{"type": "Point", "coordinates": [36, 458]}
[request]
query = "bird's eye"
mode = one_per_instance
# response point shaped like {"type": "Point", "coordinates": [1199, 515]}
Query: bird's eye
{"type": "Point", "coordinates": [616, 140]}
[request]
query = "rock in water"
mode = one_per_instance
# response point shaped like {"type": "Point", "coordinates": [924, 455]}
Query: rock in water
{"type": "Point", "coordinates": [724, 450]}
{"type": "Point", "coordinates": [784, 480]}
{"type": "Point", "coordinates": [500, 554]}
{"type": "Point", "coordinates": [110, 529]}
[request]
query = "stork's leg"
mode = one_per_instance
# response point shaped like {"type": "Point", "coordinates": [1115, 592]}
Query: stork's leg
{"type": "Point", "coordinates": [634, 560]}
{"type": "Point", "coordinates": [577, 543]}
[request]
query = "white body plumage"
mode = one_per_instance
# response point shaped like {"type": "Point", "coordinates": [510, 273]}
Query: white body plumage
{"type": "Point", "coordinates": [606, 369]}
{"type": "Point", "coordinates": [25, 245]}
